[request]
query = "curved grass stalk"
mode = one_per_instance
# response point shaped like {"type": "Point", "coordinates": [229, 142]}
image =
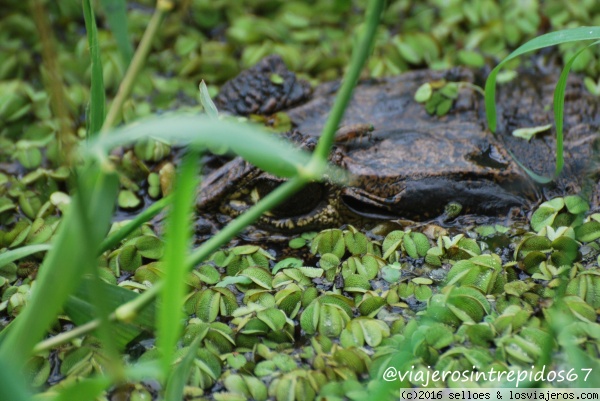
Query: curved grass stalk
{"type": "Point", "coordinates": [139, 58]}
{"type": "Point", "coordinates": [95, 112]}
{"type": "Point", "coordinates": [302, 174]}
{"type": "Point", "coordinates": [16, 254]}
{"type": "Point", "coordinates": [64, 264]}
{"type": "Point", "coordinates": [113, 239]}
{"type": "Point", "coordinates": [359, 56]}
{"type": "Point", "coordinates": [549, 39]}
{"type": "Point", "coordinates": [559, 107]}
{"type": "Point", "coordinates": [54, 83]}
{"type": "Point", "coordinates": [128, 311]}
{"type": "Point", "coordinates": [178, 234]}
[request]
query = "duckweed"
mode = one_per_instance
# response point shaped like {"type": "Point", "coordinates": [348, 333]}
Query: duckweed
{"type": "Point", "coordinates": [484, 314]}
{"type": "Point", "coordinates": [285, 329]}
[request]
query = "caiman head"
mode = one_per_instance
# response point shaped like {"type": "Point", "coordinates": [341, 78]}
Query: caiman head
{"type": "Point", "coordinates": [413, 166]}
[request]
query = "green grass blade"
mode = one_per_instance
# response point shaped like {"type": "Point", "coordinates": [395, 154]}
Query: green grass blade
{"type": "Point", "coordinates": [98, 100]}
{"type": "Point", "coordinates": [116, 14]}
{"type": "Point", "coordinates": [178, 376]}
{"type": "Point", "coordinates": [178, 235]}
{"type": "Point", "coordinates": [146, 215]}
{"type": "Point", "coordinates": [117, 296]}
{"type": "Point", "coordinates": [64, 264]}
{"type": "Point", "coordinates": [559, 103]}
{"type": "Point", "coordinates": [260, 149]}
{"type": "Point", "coordinates": [84, 390]}
{"type": "Point", "coordinates": [142, 370]}
{"type": "Point", "coordinates": [136, 65]}
{"type": "Point", "coordinates": [80, 309]}
{"type": "Point", "coordinates": [559, 107]}
{"type": "Point", "coordinates": [12, 384]}
{"type": "Point", "coordinates": [549, 39]}
{"type": "Point", "coordinates": [16, 254]}
{"type": "Point", "coordinates": [536, 177]}
{"type": "Point", "coordinates": [86, 216]}
{"type": "Point", "coordinates": [270, 201]}
{"type": "Point", "coordinates": [207, 104]}
{"type": "Point", "coordinates": [359, 56]}
{"type": "Point", "coordinates": [561, 322]}
{"type": "Point", "coordinates": [266, 151]}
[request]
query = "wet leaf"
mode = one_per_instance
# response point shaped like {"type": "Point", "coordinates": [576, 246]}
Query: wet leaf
{"type": "Point", "coordinates": [576, 204]}
{"type": "Point", "coordinates": [129, 258]}
{"type": "Point", "coordinates": [276, 79]}
{"type": "Point", "coordinates": [423, 293]}
{"type": "Point", "coordinates": [29, 157]}
{"type": "Point", "coordinates": [286, 263]}
{"type": "Point", "coordinates": [274, 318]}
{"type": "Point", "coordinates": [329, 261]}
{"type": "Point", "coordinates": [259, 276]}
{"type": "Point", "coordinates": [534, 243]}
{"type": "Point", "coordinates": [245, 250]}
{"type": "Point", "coordinates": [416, 244]}
{"type": "Point", "coordinates": [471, 58]}
{"type": "Point", "coordinates": [371, 305]}
{"type": "Point", "coordinates": [247, 386]}
{"type": "Point", "coordinates": [391, 243]}
{"type": "Point", "coordinates": [423, 93]}
{"type": "Point", "coordinates": [588, 231]}
{"type": "Point", "coordinates": [309, 319]}
{"type": "Point", "coordinates": [128, 199]}
{"type": "Point", "coordinates": [480, 334]}
{"type": "Point", "coordinates": [579, 308]}
{"type": "Point", "coordinates": [438, 335]}
{"type": "Point", "coordinates": [369, 266]}
{"type": "Point", "coordinates": [37, 370]}
{"type": "Point", "coordinates": [356, 283]}
{"type": "Point", "coordinates": [329, 241]}
{"type": "Point", "coordinates": [422, 281]}
{"type": "Point", "coordinates": [311, 272]}
{"type": "Point", "coordinates": [209, 363]}
{"type": "Point", "coordinates": [356, 242]}
{"type": "Point", "coordinates": [352, 358]}
{"type": "Point", "coordinates": [150, 246]}
{"type": "Point", "coordinates": [391, 273]}
{"type": "Point", "coordinates": [207, 104]}
{"type": "Point", "coordinates": [545, 214]}
{"type": "Point", "coordinates": [208, 274]}
{"type": "Point", "coordinates": [297, 243]}
{"type": "Point", "coordinates": [587, 286]}
{"type": "Point", "coordinates": [450, 90]}
{"type": "Point", "coordinates": [528, 133]}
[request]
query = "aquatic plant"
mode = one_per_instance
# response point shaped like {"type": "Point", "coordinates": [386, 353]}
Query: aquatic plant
{"type": "Point", "coordinates": [237, 302]}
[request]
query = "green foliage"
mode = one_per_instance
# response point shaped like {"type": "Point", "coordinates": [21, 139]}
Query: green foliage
{"type": "Point", "coordinates": [97, 96]}
{"type": "Point", "coordinates": [439, 302]}
{"type": "Point", "coordinates": [99, 199]}
{"type": "Point", "coordinates": [549, 39]}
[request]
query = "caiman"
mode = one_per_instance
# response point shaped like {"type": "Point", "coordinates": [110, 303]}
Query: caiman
{"type": "Point", "coordinates": [413, 166]}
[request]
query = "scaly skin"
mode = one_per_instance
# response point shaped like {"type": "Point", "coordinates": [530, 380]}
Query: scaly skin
{"type": "Point", "coordinates": [413, 165]}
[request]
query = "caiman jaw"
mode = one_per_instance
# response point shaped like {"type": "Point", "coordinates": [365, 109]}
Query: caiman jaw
{"type": "Point", "coordinates": [313, 207]}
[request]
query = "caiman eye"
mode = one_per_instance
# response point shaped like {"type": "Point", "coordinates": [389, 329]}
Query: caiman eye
{"type": "Point", "coordinates": [303, 202]}
{"type": "Point", "coordinates": [366, 209]}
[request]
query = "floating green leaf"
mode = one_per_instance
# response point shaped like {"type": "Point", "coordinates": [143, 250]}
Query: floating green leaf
{"type": "Point", "coordinates": [528, 133]}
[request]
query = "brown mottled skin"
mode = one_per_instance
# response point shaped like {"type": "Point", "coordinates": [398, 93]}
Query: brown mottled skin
{"type": "Point", "coordinates": [412, 165]}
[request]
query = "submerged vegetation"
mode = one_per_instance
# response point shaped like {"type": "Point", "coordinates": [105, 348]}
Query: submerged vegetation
{"type": "Point", "coordinates": [105, 309]}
